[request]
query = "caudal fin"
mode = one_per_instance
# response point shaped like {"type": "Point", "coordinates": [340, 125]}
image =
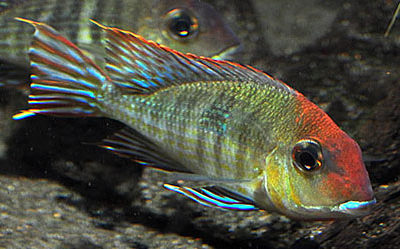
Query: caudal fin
{"type": "Point", "coordinates": [65, 82]}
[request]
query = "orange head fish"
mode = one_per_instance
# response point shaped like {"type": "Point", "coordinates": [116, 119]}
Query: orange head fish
{"type": "Point", "coordinates": [324, 175]}
{"type": "Point", "coordinates": [247, 140]}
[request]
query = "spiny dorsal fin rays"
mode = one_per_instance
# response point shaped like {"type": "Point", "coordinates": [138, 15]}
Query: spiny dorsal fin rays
{"type": "Point", "coordinates": [64, 80]}
{"type": "Point", "coordinates": [141, 66]}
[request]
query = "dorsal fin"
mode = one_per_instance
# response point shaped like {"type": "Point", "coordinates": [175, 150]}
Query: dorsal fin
{"type": "Point", "coordinates": [141, 66]}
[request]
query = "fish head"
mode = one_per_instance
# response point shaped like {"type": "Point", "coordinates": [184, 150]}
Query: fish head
{"type": "Point", "coordinates": [190, 26]}
{"type": "Point", "coordinates": [319, 174]}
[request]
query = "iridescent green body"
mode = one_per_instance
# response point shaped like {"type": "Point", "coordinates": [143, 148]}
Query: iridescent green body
{"type": "Point", "coordinates": [218, 129]}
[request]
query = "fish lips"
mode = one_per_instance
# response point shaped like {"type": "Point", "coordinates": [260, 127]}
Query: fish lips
{"type": "Point", "coordinates": [355, 208]}
{"type": "Point", "coordinates": [348, 209]}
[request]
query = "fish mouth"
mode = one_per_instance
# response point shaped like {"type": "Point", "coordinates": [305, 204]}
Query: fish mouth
{"type": "Point", "coordinates": [348, 209]}
{"type": "Point", "coordinates": [355, 208]}
{"type": "Point", "coordinates": [227, 53]}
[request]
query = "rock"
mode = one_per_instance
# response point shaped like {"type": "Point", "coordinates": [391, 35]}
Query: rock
{"type": "Point", "coordinates": [290, 26]}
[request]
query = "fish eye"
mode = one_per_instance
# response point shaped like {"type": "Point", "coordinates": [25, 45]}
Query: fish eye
{"type": "Point", "coordinates": [307, 155]}
{"type": "Point", "coordinates": [181, 25]}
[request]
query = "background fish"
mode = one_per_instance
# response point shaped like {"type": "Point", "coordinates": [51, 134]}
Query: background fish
{"type": "Point", "coordinates": [252, 141]}
{"type": "Point", "coordinates": [185, 25]}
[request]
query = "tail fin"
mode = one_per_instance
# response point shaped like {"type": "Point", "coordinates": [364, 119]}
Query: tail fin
{"type": "Point", "coordinates": [65, 82]}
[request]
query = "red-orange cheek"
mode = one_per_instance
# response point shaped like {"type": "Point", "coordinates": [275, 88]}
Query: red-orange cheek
{"type": "Point", "coordinates": [335, 187]}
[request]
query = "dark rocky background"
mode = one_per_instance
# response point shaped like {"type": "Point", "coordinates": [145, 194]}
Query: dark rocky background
{"type": "Point", "coordinates": [57, 192]}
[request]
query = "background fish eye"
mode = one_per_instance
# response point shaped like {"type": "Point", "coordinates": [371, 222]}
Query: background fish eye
{"type": "Point", "coordinates": [181, 25]}
{"type": "Point", "coordinates": [307, 155]}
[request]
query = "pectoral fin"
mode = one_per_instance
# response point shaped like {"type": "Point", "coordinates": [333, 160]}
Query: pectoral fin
{"type": "Point", "coordinates": [131, 144]}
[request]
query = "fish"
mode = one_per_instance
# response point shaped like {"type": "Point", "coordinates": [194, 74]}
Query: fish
{"type": "Point", "coordinates": [228, 135]}
{"type": "Point", "coordinates": [185, 25]}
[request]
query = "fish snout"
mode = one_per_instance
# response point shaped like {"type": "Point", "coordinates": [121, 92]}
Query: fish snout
{"type": "Point", "coordinates": [354, 195]}
{"type": "Point", "coordinates": [360, 199]}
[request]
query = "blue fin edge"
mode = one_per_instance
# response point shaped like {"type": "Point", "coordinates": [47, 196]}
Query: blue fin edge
{"type": "Point", "coordinates": [209, 198]}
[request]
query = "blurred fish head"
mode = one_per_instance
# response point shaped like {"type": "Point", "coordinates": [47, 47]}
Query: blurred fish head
{"type": "Point", "coordinates": [319, 174]}
{"type": "Point", "coordinates": [190, 26]}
